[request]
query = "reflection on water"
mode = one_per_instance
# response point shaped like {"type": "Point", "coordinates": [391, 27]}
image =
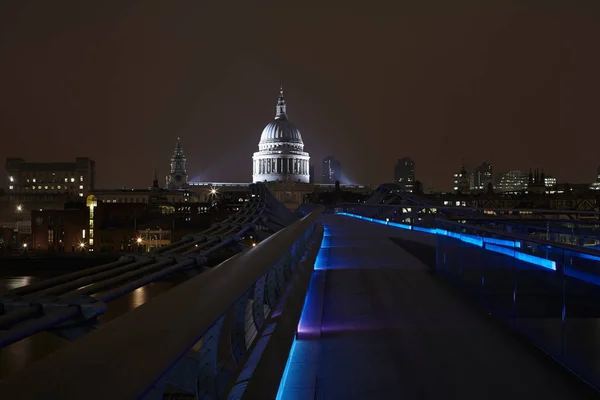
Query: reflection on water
{"type": "Point", "coordinates": [139, 296]}
{"type": "Point", "coordinates": [18, 355]}
{"type": "Point", "coordinates": [15, 282]}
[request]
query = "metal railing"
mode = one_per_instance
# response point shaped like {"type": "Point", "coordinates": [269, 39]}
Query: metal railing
{"type": "Point", "coordinates": [191, 339]}
{"type": "Point", "coordinates": [580, 233]}
{"type": "Point", "coordinates": [547, 291]}
{"type": "Point", "coordinates": [69, 302]}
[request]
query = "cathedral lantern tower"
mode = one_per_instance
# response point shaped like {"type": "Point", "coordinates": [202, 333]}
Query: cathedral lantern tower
{"type": "Point", "coordinates": [178, 177]}
{"type": "Point", "coordinates": [281, 155]}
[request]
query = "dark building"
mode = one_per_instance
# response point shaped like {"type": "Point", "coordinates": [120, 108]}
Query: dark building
{"type": "Point", "coordinates": [58, 230]}
{"type": "Point", "coordinates": [29, 181]}
{"type": "Point", "coordinates": [482, 176]}
{"type": "Point", "coordinates": [311, 171]}
{"type": "Point", "coordinates": [404, 174]}
{"type": "Point", "coordinates": [332, 170]}
{"type": "Point", "coordinates": [460, 181]}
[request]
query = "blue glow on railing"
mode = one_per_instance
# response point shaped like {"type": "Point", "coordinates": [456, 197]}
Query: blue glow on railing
{"type": "Point", "coordinates": [502, 242]}
{"type": "Point", "coordinates": [306, 329]}
{"type": "Point", "coordinates": [587, 256]}
{"type": "Point", "coordinates": [496, 245]}
{"type": "Point", "coordinates": [322, 260]}
{"type": "Point", "coordinates": [426, 230]}
{"type": "Point", "coordinates": [477, 241]}
{"type": "Point", "coordinates": [286, 371]}
{"type": "Point", "coordinates": [583, 276]}
{"type": "Point", "coordinates": [307, 326]}
{"type": "Point", "coordinates": [542, 262]}
{"type": "Point", "coordinates": [401, 226]}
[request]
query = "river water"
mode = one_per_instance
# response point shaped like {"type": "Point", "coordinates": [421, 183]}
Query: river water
{"type": "Point", "coordinates": [18, 355]}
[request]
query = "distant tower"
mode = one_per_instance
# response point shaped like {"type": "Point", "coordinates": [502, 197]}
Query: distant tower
{"type": "Point", "coordinates": [404, 174]}
{"type": "Point", "coordinates": [178, 177]}
{"type": "Point", "coordinates": [332, 170]}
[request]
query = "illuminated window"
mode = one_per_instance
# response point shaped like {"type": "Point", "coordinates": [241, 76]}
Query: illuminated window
{"type": "Point", "coordinates": [72, 179]}
{"type": "Point", "coordinates": [58, 187]}
{"type": "Point", "coordinates": [81, 187]}
{"type": "Point", "coordinates": [33, 180]}
{"type": "Point", "coordinates": [66, 179]}
{"type": "Point", "coordinates": [46, 187]}
{"type": "Point", "coordinates": [10, 187]}
{"type": "Point", "coordinates": [12, 179]}
{"type": "Point", "coordinates": [81, 178]}
{"type": "Point", "coordinates": [80, 194]}
{"type": "Point", "coordinates": [27, 180]}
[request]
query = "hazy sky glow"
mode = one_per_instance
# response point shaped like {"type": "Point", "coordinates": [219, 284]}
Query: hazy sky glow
{"type": "Point", "coordinates": [367, 82]}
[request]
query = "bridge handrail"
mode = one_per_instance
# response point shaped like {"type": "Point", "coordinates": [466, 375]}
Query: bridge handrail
{"type": "Point", "coordinates": [131, 356]}
{"type": "Point", "coordinates": [523, 238]}
{"type": "Point", "coordinates": [507, 235]}
{"type": "Point", "coordinates": [458, 208]}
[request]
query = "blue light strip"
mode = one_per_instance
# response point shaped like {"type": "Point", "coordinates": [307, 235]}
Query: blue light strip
{"type": "Point", "coordinates": [588, 256]}
{"type": "Point", "coordinates": [502, 242]}
{"type": "Point", "coordinates": [426, 230]}
{"type": "Point", "coordinates": [542, 262]}
{"type": "Point", "coordinates": [501, 246]}
{"type": "Point", "coordinates": [286, 372]}
{"type": "Point", "coordinates": [308, 327]}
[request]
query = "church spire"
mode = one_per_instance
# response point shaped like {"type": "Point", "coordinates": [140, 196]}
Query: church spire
{"type": "Point", "coordinates": [178, 176]}
{"type": "Point", "coordinates": [281, 109]}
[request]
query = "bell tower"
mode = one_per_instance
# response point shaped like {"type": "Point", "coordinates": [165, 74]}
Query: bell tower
{"type": "Point", "coordinates": [178, 177]}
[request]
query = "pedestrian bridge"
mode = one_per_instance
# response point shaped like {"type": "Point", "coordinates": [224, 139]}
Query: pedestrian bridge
{"type": "Point", "coordinates": [352, 304]}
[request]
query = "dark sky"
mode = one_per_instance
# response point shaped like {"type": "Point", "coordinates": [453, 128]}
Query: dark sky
{"type": "Point", "coordinates": [368, 82]}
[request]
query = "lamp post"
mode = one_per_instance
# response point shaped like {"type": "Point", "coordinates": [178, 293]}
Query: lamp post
{"type": "Point", "coordinates": [19, 210]}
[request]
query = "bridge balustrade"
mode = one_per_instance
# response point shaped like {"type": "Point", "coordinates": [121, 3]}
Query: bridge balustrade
{"type": "Point", "coordinates": [547, 291]}
{"type": "Point", "coordinates": [191, 340]}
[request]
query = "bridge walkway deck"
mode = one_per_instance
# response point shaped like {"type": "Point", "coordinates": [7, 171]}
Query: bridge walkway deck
{"type": "Point", "coordinates": [390, 329]}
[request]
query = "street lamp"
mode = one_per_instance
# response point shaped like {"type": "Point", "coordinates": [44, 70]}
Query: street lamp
{"type": "Point", "coordinates": [20, 208]}
{"type": "Point", "coordinates": [139, 240]}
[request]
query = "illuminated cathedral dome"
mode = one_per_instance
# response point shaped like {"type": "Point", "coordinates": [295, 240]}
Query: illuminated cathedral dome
{"type": "Point", "coordinates": [281, 155]}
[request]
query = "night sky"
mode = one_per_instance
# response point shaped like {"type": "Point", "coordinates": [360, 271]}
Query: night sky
{"type": "Point", "coordinates": [367, 82]}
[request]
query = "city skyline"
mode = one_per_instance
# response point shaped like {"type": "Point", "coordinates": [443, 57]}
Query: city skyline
{"type": "Point", "coordinates": [79, 81]}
